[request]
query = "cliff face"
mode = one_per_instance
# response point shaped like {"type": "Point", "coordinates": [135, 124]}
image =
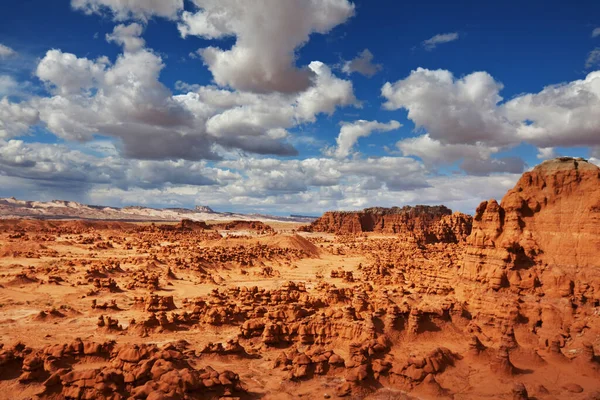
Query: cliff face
{"type": "Point", "coordinates": [423, 223]}
{"type": "Point", "coordinates": [545, 232]}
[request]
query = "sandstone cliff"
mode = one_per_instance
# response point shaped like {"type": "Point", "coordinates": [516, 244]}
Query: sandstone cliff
{"type": "Point", "coordinates": [545, 232]}
{"type": "Point", "coordinates": [426, 224]}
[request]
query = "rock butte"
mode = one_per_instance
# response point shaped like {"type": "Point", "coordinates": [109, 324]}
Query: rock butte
{"type": "Point", "coordinates": [423, 224]}
{"type": "Point", "coordinates": [401, 303]}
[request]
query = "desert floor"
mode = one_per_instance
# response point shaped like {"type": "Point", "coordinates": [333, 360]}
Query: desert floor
{"type": "Point", "coordinates": [273, 307]}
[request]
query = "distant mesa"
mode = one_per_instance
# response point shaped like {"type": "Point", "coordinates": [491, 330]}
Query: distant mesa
{"type": "Point", "coordinates": [424, 224]}
{"type": "Point", "coordinates": [256, 226]}
{"type": "Point", "coordinates": [204, 209]}
{"type": "Point", "coordinates": [189, 225]}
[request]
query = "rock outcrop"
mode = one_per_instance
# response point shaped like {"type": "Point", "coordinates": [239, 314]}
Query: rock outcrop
{"type": "Point", "coordinates": [545, 232]}
{"type": "Point", "coordinates": [425, 224]}
{"type": "Point", "coordinates": [256, 226]}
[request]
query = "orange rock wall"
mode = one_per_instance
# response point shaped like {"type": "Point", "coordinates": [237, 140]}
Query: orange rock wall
{"type": "Point", "coordinates": [423, 223]}
{"type": "Point", "coordinates": [545, 231]}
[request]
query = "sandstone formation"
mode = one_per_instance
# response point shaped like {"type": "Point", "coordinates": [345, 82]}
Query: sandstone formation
{"type": "Point", "coordinates": [256, 226]}
{"type": "Point", "coordinates": [424, 224]}
{"type": "Point", "coordinates": [544, 235]}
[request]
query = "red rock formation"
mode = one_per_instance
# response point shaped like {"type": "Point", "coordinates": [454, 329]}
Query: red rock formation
{"type": "Point", "coordinates": [257, 226]}
{"type": "Point", "coordinates": [189, 225]}
{"type": "Point", "coordinates": [428, 224]}
{"type": "Point", "coordinates": [545, 232]}
{"type": "Point", "coordinates": [134, 371]}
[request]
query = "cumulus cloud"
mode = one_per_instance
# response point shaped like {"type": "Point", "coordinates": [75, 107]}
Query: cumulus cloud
{"type": "Point", "coordinates": [352, 131]}
{"type": "Point", "coordinates": [158, 134]}
{"type": "Point", "coordinates": [16, 118]}
{"type": "Point", "coordinates": [128, 36]}
{"type": "Point", "coordinates": [66, 74]}
{"type": "Point", "coordinates": [211, 143]}
{"type": "Point", "coordinates": [559, 115]}
{"type": "Point", "coordinates": [394, 174]}
{"type": "Point", "coordinates": [122, 10]}
{"type": "Point", "coordinates": [453, 111]}
{"type": "Point", "coordinates": [127, 101]}
{"type": "Point", "coordinates": [6, 52]}
{"type": "Point", "coordinates": [123, 100]}
{"type": "Point", "coordinates": [257, 122]}
{"type": "Point", "coordinates": [596, 32]}
{"type": "Point", "coordinates": [362, 64]}
{"type": "Point", "coordinates": [327, 93]}
{"type": "Point", "coordinates": [263, 57]}
{"type": "Point", "coordinates": [466, 119]}
{"type": "Point", "coordinates": [435, 153]}
{"type": "Point", "coordinates": [246, 183]}
{"type": "Point", "coordinates": [441, 38]}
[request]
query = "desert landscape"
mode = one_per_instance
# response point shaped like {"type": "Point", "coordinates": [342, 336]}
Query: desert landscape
{"type": "Point", "coordinates": [299, 199]}
{"type": "Point", "coordinates": [398, 303]}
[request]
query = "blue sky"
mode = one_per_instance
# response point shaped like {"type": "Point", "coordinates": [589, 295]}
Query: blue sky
{"type": "Point", "coordinates": [272, 109]}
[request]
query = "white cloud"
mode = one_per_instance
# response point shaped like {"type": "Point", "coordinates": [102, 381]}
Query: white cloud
{"type": "Point", "coordinates": [363, 64]}
{"type": "Point", "coordinates": [16, 118]}
{"type": "Point", "coordinates": [546, 153]}
{"type": "Point", "coordinates": [452, 111]}
{"type": "Point", "coordinates": [388, 173]}
{"type": "Point", "coordinates": [352, 131]}
{"type": "Point", "coordinates": [267, 35]}
{"type": "Point", "coordinates": [475, 159]}
{"type": "Point", "coordinates": [6, 52]}
{"type": "Point", "coordinates": [434, 153]}
{"type": "Point", "coordinates": [201, 145]}
{"type": "Point", "coordinates": [128, 36]}
{"type": "Point", "coordinates": [560, 115]}
{"type": "Point", "coordinates": [67, 74]}
{"type": "Point", "coordinates": [441, 38]}
{"type": "Point", "coordinates": [466, 119]}
{"type": "Point", "coordinates": [327, 93]}
{"type": "Point", "coordinates": [468, 111]}
{"type": "Point", "coordinates": [593, 59]}
{"type": "Point", "coordinates": [258, 122]}
{"type": "Point", "coordinates": [596, 32]}
{"type": "Point", "coordinates": [126, 100]}
{"type": "Point", "coordinates": [122, 10]}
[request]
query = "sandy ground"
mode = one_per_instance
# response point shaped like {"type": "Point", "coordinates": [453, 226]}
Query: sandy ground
{"type": "Point", "coordinates": [47, 285]}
